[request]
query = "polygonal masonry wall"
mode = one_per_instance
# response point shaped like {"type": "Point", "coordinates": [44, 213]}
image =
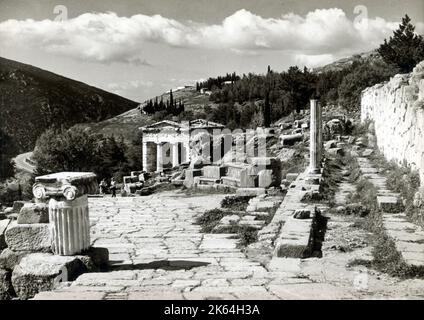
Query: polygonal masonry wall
{"type": "Point", "coordinates": [396, 108]}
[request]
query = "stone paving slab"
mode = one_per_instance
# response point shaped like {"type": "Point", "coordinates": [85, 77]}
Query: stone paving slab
{"type": "Point", "coordinates": [408, 237]}
{"type": "Point", "coordinates": [165, 256]}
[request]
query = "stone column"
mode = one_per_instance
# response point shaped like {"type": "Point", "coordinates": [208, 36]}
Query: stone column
{"type": "Point", "coordinates": [159, 157]}
{"type": "Point", "coordinates": [71, 226]}
{"type": "Point", "coordinates": [175, 161]}
{"type": "Point", "coordinates": [315, 142]}
{"type": "Point", "coordinates": [144, 151]}
{"type": "Point", "coordinates": [68, 209]}
{"type": "Point", "coordinates": [187, 152]}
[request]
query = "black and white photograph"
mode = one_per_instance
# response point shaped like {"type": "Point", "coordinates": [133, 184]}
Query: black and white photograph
{"type": "Point", "coordinates": [233, 151]}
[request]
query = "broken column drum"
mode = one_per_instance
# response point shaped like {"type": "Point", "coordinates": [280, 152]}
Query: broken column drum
{"type": "Point", "coordinates": [68, 209]}
{"type": "Point", "coordinates": [315, 147]}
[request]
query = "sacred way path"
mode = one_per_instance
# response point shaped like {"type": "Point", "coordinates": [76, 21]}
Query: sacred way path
{"type": "Point", "coordinates": [157, 252]}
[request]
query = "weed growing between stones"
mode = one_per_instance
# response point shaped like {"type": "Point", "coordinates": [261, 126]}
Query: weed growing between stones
{"type": "Point", "coordinates": [403, 180]}
{"type": "Point", "coordinates": [386, 258]}
{"type": "Point", "coordinates": [247, 235]}
{"type": "Point", "coordinates": [231, 205]}
{"type": "Point", "coordinates": [237, 203]}
{"type": "Point", "coordinates": [208, 191]}
{"type": "Point", "coordinates": [364, 195]}
{"type": "Point", "coordinates": [210, 219]}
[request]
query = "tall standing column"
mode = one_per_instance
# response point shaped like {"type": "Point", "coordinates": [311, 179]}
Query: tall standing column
{"type": "Point", "coordinates": [187, 152]}
{"type": "Point", "coordinates": [144, 152]}
{"type": "Point", "coordinates": [175, 161]}
{"type": "Point", "coordinates": [159, 157]}
{"type": "Point", "coordinates": [315, 141]}
{"type": "Point", "coordinates": [68, 209]}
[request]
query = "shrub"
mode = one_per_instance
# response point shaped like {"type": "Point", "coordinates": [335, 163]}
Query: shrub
{"type": "Point", "coordinates": [210, 219]}
{"type": "Point", "coordinates": [236, 203]}
{"type": "Point", "coordinates": [247, 235]}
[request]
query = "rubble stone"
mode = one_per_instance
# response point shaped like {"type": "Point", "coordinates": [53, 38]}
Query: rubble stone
{"type": "Point", "coordinates": [42, 271]}
{"type": "Point", "coordinates": [6, 289]}
{"type": "Point", "coordinates": [34, 213]}
{"type": "Point", "coordinates": [3, 226]}
{"type": "Point", "coordinates": [29, 237]}
{"type": "Point", "coordinates": [9, 258]}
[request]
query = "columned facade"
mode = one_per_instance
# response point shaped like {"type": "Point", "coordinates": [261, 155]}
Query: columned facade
{"type": "Point", "coordinates": [167, 143]}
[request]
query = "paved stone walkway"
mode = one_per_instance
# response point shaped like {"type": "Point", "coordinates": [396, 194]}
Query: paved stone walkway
{"type": "Point", "coordinates": [408, 237]}
{"type": "Point", "coordinates": [157, 253]}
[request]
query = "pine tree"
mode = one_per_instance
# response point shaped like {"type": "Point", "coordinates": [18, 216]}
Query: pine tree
{"type": "Point", "coordinates": [405, 48]}
{"type": "Point", "coordinates": [171, 98]}
{"type": "Point", "coordinates": [267, 110]}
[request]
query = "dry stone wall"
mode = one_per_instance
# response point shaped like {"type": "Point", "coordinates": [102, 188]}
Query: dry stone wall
{"type": "Point", "coordinates": [397, 110]}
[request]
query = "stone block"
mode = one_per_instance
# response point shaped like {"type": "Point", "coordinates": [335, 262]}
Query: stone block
{"type": "Point", "coordinates": [42, 271]}
{"type": "Point", "coordinates": [295, 239]}
{"type": "Point", "coordinates": [367, 152]}
{"type": "Point", "coordinates": [291, 176]}
{"type": "Point", "coordinates": [335, 151]}
{"type": "Point", "coordinates": [313, 178]}
{"type": "Point", "coordinates": [265, 179]}
{"type": "Point", "coordinates": [390, 204]}
{"type": "Point", "coordinates": [17, 205]}
{"type": "Point", "coordinates": [231, 219]}
{"type": "Point", "coordinates": [252, 192]}
{"type": "Point", "coordinates": [189, 176]}
{"type": "Point", "coordinates": [29, 237]}
{"type": "Point", "coordinates": [9, 258]}
{"type": "Point", "coordinates": [291, 139]}
{"type": "Point", "coordinates": [34, 213]}
{"type": "Point", "coordinates": [330, 144]}
{"type": "Point", "coordinates": [6, 288]}
{"type": "Point", "coordinates": [3, 227]}
{"type": "Point", "coordinates": [302, 214]}
{"type": "Point", "coordinates": [247, 179]}
{"type": "Point", "coordinates": [214, 172]}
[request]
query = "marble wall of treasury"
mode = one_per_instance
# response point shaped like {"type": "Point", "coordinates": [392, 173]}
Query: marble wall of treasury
{"type": "Point", "coordinates": [397, 111]}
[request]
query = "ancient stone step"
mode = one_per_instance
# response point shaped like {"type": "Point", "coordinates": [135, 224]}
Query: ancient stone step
{"type": "Point", "coordinates": [408, 238]}
{"type": "Point", "coordinates": [295, 239]}
{"type": "Point", "coordinates": [390, 204]}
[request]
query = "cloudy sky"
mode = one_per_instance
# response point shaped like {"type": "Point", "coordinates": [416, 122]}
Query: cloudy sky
{"type": "Point", "coordinates": [140, 48]}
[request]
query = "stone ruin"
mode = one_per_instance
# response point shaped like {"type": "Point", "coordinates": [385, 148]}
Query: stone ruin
{"type": "Point", "coordinates": [49, 242]}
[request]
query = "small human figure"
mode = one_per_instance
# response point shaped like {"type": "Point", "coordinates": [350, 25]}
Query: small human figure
{"type": "Point", "coordinates": [113, 187]}
{"type": "Point", "coordinates": [103, 186]}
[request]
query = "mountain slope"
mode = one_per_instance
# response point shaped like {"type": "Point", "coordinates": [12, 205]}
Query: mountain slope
{"type": "Point", "coordinates": [32, 99]}
{"type": "Point", "coordinates": [128, 123]}
{"type": "Point", "coordinates": [346, 62]}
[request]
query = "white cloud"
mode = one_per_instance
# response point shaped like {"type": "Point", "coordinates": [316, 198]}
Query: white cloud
{"type": "Point", "coordinates": [314, 60]}
{"type": "Point", "coordinates": [106, 37]}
